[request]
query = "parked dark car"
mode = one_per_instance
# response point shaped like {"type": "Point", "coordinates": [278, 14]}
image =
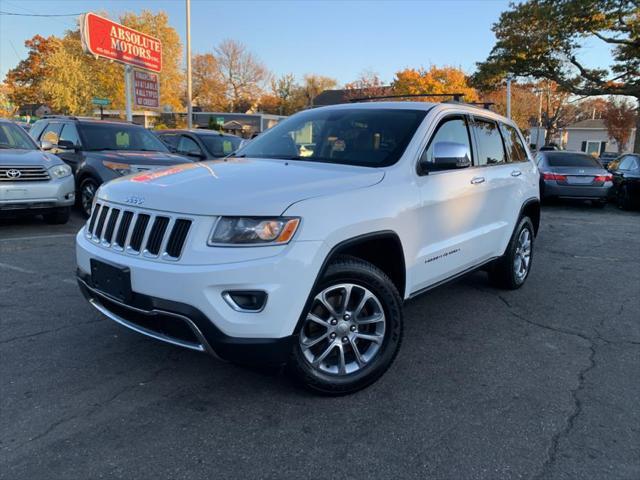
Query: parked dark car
{"type": "Point", "coordinates": [606, 158]}
{"type": "Point", "coordinates": [100, 150]}
{"type": "Point", "coordinates": [626, 181]}
{"type": "Point", "coordinates": [573, 175]}
{"type": "Point", "coordinates": [200, 144]}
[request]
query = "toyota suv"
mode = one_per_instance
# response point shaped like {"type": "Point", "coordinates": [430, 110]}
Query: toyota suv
{"type": "Point", "coordinates": [274, 257]}
{"type": "Point", "coordinates": [100, 150]}
{"type": "Point", "coordinates": [32, 181]}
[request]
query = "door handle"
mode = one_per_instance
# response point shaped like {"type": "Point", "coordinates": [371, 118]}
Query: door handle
{"type": "Point", "coordinates": [477, 180]}
{"type": "Point", "coordinates": [516, 173]}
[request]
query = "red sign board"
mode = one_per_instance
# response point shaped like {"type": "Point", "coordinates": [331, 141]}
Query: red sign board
{"type": "Point", "coordinates": [108, 39]}
{"type": "Point", "coordinates": [146, 89]}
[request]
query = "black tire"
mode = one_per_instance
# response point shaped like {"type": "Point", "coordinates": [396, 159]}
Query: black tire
{"type": "Point", "coordinates": [84, 202]}
{"type": "Point", "coordinates": [502, 272]}
{"type": "Point", "coordinates": [58, 217]}
{"type": "Point", "coordinates": [364, 275]}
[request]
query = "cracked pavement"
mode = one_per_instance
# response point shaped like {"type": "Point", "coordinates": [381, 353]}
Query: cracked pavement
{"type": "Point", "coordinates": [539, 383]}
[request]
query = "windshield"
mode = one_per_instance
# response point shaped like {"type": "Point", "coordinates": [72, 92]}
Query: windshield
{"type": "Point", "coordinates": [355, 136]}
{"type": "Point", "coordinates": [12, 136]}
{"type": "Point", "coordinates": [220, 145]}
{"type": "Point", "coordinates": [114, 136]}
{"type": "Point", "coordinates": [572, 160]}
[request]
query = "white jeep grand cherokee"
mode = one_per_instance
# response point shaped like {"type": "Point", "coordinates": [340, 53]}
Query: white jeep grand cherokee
{"type": "Point", "coordinates": [301, 248]}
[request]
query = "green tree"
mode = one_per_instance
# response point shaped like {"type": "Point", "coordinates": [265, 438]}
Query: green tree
{"type": "Point", "coordinates": [544, 39]}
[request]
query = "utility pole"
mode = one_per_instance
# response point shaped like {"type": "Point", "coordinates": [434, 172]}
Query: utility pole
{"type": "Point", "coordinates": [189, 108]}
{"type": "Point", "coordinates": [127, 92]}
{"type": "Point", "coordinates": [509, 96]}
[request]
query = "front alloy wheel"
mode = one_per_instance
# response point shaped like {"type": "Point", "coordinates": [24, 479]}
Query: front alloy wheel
{"type": "Point", "coordinates": [351, 329]}
{"type": "Point", "coordinates": [344, 329]}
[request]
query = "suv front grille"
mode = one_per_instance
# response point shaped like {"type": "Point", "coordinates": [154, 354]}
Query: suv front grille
{"type": "Point", "coordinates": [23, 174]}
{"type": "Point", "coordinates": [138, 232]}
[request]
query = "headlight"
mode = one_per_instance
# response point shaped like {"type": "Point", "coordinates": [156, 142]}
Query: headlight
{"type": "Point", "coordinates": [253, 230]}
{"type": "Point", "coordinates": [60, 171]}
{"type": "Point", "coordinates": [121, 168]}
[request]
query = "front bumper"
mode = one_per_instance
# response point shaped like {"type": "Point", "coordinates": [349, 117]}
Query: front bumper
{"type": "Point", "coordinates": [48, 194]}
{"type": "Point", "coordinates": [551, 188]}
{"type": "Point", "coordinates": [193, 296]}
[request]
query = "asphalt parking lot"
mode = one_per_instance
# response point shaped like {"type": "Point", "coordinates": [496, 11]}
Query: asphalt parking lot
{"type": "Point", "coordinates": [543, 382]}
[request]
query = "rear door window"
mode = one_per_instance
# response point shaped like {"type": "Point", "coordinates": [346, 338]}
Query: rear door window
{"type": "Point", "coordinates": [490, 146]}
{"type": "Point", "coordinates": [188, 145]}
{"type": "Point", "coordinates": [515, 148]}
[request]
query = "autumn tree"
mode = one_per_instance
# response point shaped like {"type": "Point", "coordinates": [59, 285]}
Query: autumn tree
{"type": "Point", "coordinates": [544, 39]}
{"type": "Point", "coordinates": [619, 118]}
{"type": "Point", "coordinates": [314, 85]}
{"type": "Point", "coordinates": [23, 82]}
{"type": "Point", "coordinates": [71, 89]}
{"type": "Point", "coordinates": [208, 84]}
{"type": "Point", "coordinates": [172, 82]}
{"type": "Point", "coordinates": [242, 72]}
{"type": "Point", "coordinates": [434, 80]}
{"type": "Point", "coordinates": [367, 85]}
{"type": "Point", "coordinates": [525, 101]}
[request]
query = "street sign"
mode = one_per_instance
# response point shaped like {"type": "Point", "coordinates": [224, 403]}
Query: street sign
{"type": "Point", "coordinates": [146, 89]}
{"type": "Point", "coordinates": [105, 38]}
{"type": "Point", "coordinates": [100, 101]}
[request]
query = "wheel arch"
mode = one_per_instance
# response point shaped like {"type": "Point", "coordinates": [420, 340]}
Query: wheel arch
{"type": "Point", "coordinates": [361, 247]}
{"type": "Point", "coordinates": [531, 209]}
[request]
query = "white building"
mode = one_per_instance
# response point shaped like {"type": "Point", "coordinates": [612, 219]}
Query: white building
{"type": "Point", "coordinates": [591, 136]}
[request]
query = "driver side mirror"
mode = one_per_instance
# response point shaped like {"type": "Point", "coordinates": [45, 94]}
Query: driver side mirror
{"type": "Point", "coordinates": [46, 145]}
{"type": "Point", "coordinates": [447, 156]}
{"type": "Point", "coordinates": [66, 145]}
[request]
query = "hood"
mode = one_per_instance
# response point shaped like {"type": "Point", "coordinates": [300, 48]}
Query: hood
{"type": "Point", "coordinates": [138, 158]}
{"type": "Point", "coordinates": [237, 186]}
{"type": "Point", "coordinates": [16, 158]}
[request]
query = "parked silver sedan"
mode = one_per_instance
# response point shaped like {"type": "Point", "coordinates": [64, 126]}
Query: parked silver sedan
{"type": "Point", "coordinates": [32, 181]}
{"type": "Point", "coordinates": [573, 175]}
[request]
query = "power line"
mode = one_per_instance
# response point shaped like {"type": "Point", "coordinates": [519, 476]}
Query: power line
{"type": "Point", "coordinates": [39, 15]}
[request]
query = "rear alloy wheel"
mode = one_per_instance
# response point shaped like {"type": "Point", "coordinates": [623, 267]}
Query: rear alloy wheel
{"type": "Point", "coordinates": [351, 331]}
{"type": "Point", "coordinates": [88, 189]}
{"type": "Point", "coordinates": [512, 269]}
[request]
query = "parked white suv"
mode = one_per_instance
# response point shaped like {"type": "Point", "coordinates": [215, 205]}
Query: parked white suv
{"type": "Point", "coordinates": [278, 257]}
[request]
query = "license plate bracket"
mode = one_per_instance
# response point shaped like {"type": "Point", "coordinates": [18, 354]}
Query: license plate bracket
{"type": "Point", "coordinates": [112, 280]}
{"type": "Point", "coordinates": [579, 180]}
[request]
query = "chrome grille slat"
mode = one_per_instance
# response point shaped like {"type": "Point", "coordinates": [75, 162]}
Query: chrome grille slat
{"type": "Point", "coordinates": [134, 231]}
{"type": "Point", "coordinates": [25, 173]}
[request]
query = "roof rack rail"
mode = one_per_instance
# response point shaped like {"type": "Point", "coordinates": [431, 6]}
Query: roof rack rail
{"type": "Point", "coordinates": [457, 97]}
{"type": "Point", "coordinates": [485, 105]}
{"type": "Point", "coordinates": [70, 117]}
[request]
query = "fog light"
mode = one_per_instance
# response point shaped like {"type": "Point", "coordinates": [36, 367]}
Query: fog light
{"type": "Point", "coordinates": [246, 300]}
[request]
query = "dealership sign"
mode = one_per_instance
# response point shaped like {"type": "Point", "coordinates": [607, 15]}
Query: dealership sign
{"type": "Point", "coordinates": [146, 89]}
{"type": "Point", "coordinates": [108, 39]}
